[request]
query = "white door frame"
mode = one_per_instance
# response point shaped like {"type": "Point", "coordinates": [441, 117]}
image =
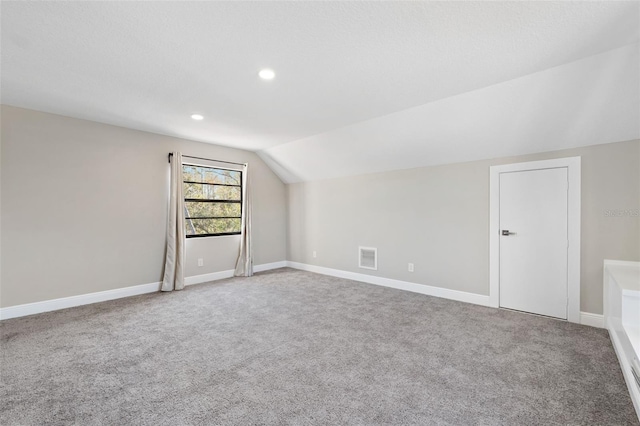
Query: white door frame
{"type": "Point", "coordinates": [573, 268]}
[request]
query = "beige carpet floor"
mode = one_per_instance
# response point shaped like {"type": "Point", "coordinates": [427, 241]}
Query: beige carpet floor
{"type": "Point", "coordinates": [292, 347]}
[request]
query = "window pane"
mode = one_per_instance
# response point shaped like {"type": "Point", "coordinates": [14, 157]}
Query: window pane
{"type": "Point", "coordinates": [211, 192]}
{"type": "Point", "coordinates": [196, 209]}
{"type": "Point", "coordinates": [210, 175]}
{"type": "Point", "coordinates": [212, 226]}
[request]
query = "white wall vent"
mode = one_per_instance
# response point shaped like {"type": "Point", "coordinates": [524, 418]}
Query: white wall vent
{"type": "Point", "coordinates": [368, 258]}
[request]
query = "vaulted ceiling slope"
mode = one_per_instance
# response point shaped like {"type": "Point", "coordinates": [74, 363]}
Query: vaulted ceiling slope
{"type": "Point", "coordinates": [587, 102]}
{"type": "Point", "coordinates": [360, 86]}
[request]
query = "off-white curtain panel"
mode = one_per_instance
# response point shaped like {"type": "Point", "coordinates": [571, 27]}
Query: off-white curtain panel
{"type": "Point", "coordinates": [174, 262]}
{"type": "Point", "coordinates": [244, 266]}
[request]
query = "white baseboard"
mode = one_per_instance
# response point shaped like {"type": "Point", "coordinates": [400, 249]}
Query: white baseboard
{"type": "Point", "coordinates": [269, 266]}
{"type": "Point", "coordinates": [461, 296]}
{"type": "Point", "coordinates": [586, 318]}
{"type": "Point", "coordinates": [593, 320]}
{"type": "Point", "coordinates": [103, 296]}
{"type": "Point", "coordinates": [205, 278]}
{"type": "Point", "coordinates": [214, 276]}
{"type": "Point", "coordinates": [82, 299]}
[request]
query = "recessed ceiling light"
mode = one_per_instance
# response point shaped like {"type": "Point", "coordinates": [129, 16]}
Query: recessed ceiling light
{"type": "Point", "coordinates": [267, 74]}
{"type": "Point", "coordinates": [197, 117]}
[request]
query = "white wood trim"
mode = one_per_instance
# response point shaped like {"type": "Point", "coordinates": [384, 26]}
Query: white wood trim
{"type": "Point", "coordinates": [621, 320]}
{"type": "Point", "coordinates": [270, 266]}
{"type": "Point", "coordinates": [118, 293]}
{"type": "Point", "coordinates": [573, 165]}
{"type": "Point", "coordinates": [461, 296]}
{"type": "Point", "coordinates": [79, 300]}
{"type": "Point", "coordinates": [592, 320]}
{"type": "Point", "coordinates": [214, 276]}
{"type": "Point", "coordinates": [494, 238]}
{"type": "Point", "coordinates": [608, 262]}
{"type": "Point", "coordinates": [625, 365]}
{"type": "Point", "coordinates": [205, 278]}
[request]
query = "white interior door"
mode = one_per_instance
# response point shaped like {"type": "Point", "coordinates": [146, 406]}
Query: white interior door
{"type": "Point", "coordinates": [534, 241]}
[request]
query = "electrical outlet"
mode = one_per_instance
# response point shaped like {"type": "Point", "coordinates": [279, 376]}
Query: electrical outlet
{"type": "Point", "coordinates": [411, 267]}
{"type": "Point", "coordinates": [315, 254]}
{"type": "Point", "coordinates": [200, 262]}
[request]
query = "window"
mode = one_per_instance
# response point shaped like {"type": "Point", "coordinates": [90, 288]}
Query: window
{"type": "Point", "coordinates": [212, 201]}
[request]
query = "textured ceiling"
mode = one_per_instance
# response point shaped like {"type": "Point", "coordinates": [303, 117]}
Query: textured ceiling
{"type": "Point", "coordinates": [360, 86]}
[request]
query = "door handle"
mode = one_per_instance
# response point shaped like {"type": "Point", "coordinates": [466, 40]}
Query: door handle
{"type": "Point", "coordinates": [506, 232]}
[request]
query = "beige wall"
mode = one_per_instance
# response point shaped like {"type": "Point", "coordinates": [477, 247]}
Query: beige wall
{"type": "Point", "coordinates": [84, 208]}
{"type": "Point", "coordinates": [438, 219]}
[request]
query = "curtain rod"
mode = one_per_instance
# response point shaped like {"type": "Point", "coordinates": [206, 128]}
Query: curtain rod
{"type": "Point", "coordinates": [207, 159]}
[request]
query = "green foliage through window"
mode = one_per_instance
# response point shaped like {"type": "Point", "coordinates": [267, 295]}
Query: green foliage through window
{"type": "Point", "coordinates": [212, 201]}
